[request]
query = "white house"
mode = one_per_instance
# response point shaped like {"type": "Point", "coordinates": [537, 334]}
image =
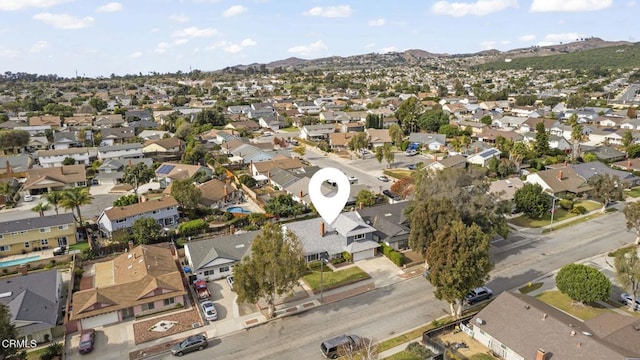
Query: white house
{"type": "Point", "coordinates": [120, 151]}
{"type": "Point", "coordinates": [214, 258]}
{"type": "Point", "coordinates": [482, 158]}
{"type": "Point", "coordinates": [55, 158]}
{"type": "Point", "coordinates": [164, 210]}
{"type": "Point", "coordinates": [317, 132]}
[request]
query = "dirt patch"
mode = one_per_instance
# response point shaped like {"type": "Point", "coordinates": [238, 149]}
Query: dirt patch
{"type": "Point", "coordinates": [184, 319]}
{"type": "Point", "coordinates": [412, 258]}
{"type": "Point", "coordinates": [473, 346]}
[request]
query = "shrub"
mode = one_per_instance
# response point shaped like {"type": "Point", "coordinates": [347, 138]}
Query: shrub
{"type": "Point", "coordinates": [404, 145]}
{"type": "Point", "coordinates": [579, 210]}
{"type": "Point", "coordinates": [192, 227]}
{"type": "Point", "coordinates": [337, 261]}
{"type": "Point", "coordinates": [565, 204]}
{"type": "Point", "coordinates": [393, 255]}
{"type": "Point", "coordinates": [419, 350]}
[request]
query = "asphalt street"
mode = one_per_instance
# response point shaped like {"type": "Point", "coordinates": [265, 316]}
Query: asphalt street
{"type": "Point", "coordinates": [23, 210]}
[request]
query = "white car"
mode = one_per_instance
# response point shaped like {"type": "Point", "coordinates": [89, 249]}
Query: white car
{"type": "Point", "coordinates": [626, 299]}
{"type": "Point", "coordinates": [28, 198]}
{"type": "Point", "coordinates": [209, 310]}
{"type": "Point", "coordinates": [353, 180]}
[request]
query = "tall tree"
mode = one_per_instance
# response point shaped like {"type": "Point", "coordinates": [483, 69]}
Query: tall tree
{"type": "Point", "coordinates": [186, 193]}
{"type": "Point", "coordinates": [395, 132]}
{"type": "Point", "coordinates": [358, 141]}
{"type": "Point", "coordinates": [389, 156]}
{"type": "Point", "coordinates": [274, 268]}
{"type": "Point", "coordinates": [427, 218]}
{"type": "Point", "coordinates": [283, 205]}
{"type": "Point", "coordinates": [606, 188]}
{"type": "Point", "coordinates": [532, 201]}
{"type": "Point", "coordinates": [627, 139]}
{"type": "Point", "coordinates": [8, 331]}
{"type": "Point", "coordinates": [632, 112]}
{"type": "Point", "coordinates": [73, 198]}
{"type": "Point", "coordinates": [408, 113]}
{"type": "Point", "coordinates": [542, 140]}
{"type": "Point", "coordinates": [366, 198]}
{"type": "Point", "coordinates": [145, 229]}
{"type": "Point", "coordinates": [518, 153]}
{"type": "Point", "coordinates": [41, 208]}
{"type": "Point", "coordinates": [379, 152]}
{"type": "Point", "coordinates": [576, 136]}
{"type": "Point", "coordinates": [136, 175]}
{"type": "Point", "coordinates": [627, 267]}
{"type": "Point", "coordinates": [54, 198]}
{"type": "Point", "coordinates": [459, 261]}
{"type": "Point", "coordinates": [632, 215]}
{"type": "Point", "coordinates": [583, 283]}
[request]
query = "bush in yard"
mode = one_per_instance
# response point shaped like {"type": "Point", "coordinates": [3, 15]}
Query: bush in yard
{"type": "Point", "coordinates": [192, 227]}
{"type": "Point", "coordinates": [565, 204]}
{"type": "Point", "coordinates": [419, 350]}
{"type": "Point", "coordinates": [393, 255]}
{"type": "Point", "coordinates": [404, 145]}
{"type": "Point", "coordinates": [579, 210]}
{"type": "Point", "coordinates": [583, 283]}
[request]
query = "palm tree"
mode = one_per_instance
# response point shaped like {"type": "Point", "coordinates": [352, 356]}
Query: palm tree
{"type": "Point", "coordinates": [54, 199]}
{"type": "Point", "coordinates": [41, 208]}
{"type": "Point", "coordinates": [74, 198]}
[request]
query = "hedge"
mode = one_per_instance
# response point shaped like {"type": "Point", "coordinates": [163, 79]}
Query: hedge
{"type": "Point", "coordinates": [565, 204]}
{"type": "Point", "coordinates": [193, 226]}
{"type": "Point", "coordinates": [393, 255]}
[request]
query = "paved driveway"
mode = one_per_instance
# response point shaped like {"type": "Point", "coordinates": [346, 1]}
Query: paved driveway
{"type": "Point", "coordinates": [113, 342]}
{"type": "Point", "coordinates": [383, 272]}
{"type": "Point", "coordinates": [224, 299]}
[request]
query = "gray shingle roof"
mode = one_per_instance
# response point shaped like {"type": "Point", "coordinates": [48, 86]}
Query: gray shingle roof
{"type": "Point", "coordinates": [36, 223]}
{"type": "Point", "coordinates": [120, 147]}
{"type": "Point", "coordinates": [593, 168]}
{"type": "Point", "coordinates": [232, 247]}
{"type": "Point", "coordinates": [389, 220]}
{"type": "Point", "coordinates": [308, 231]}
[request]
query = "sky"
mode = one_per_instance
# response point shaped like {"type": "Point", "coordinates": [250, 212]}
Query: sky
{"type": "Point", "coordinates": [99, 38]}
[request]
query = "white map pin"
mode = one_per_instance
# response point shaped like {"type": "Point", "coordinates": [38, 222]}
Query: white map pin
{"type": "Point", "coordinates": [329, 207]}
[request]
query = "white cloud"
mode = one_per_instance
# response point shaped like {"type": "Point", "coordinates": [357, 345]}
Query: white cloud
{"type": "Point", "coordinates": [236, 48]}
{"type": "Point", "coordinates": [329, 11]}
{"type": "Point", "coordinates": [248, 42]}
{"type": "Point", "coordinates": [8, 5]}
{"type": "Point", "coordinates": [369, 45]}
{"type": "Point", "coordinates": [110, 7]}
{"type": "Point", "coordinates": [310, 49]}
{"type": "Point", "coordinates": [207, 1]}
{"type": "Point", "coordinates": [162, 47]}
{"type": "Point", "coordinates": [135, 55]}
{"type": "Point", "coordinates": [179, 18]}
{"type": "Point", "coordinates": [528, 37]}
{"type": "Point", "coordinates": [569, 5]}
{"type": "Point", "coordinates": [388, 49]}
{"type": "Point", "coordinates": [235, 10]}
{"type": "Point", "coordinates": [551, 39]}
{"type": "Point", "coordinates": [195, 32]}
{"type": "Point", "coordinates": [39, 46]}
{"type": "Point", "coordinates": [488, 45]}
{"type": "Point", "coordinates": [155, 30]}
{"type": "Point", "coordinates": [478, 8]}
{"type": "Point", "coordinates": [180, 41]}
{"type": "Point", "coordinates": [64, 21]}
{"type": "Point", "coordinates": [377, 22]}
{"type": "Point", "coordinates": [6, 52]}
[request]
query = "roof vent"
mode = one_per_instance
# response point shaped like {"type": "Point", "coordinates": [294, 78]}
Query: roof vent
{"type": "Point", "coordinates": [129, 267]}
{"type": "Point", "coordinates": [129, 256]}
{"type": "Point", "coordinates": [527, 307]}
{"type": "Point", "coordinates": [388, 214]}
{"type": "Point", "coordinates": [479, 321]}
{"type": "Point", "coordinates": [586, 333]}
{"type": "Point", "coordinates": [239, 246]}
{"type": "Point", "coordinates": [6, 294]}
{"type": "Point", "coordinates": [544, 316]}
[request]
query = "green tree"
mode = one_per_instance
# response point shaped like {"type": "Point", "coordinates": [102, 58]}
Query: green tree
{"type": "Point", "coordinates": [542, 140]}
{"type": "Point", "coordinates": [427, 218]}
{"type": "Point", "coordinates": [98, 104]}
{"type": "Point", "coordinates": [358, 141]}
{"type": "Point", "coordinates": [247, 180]}
{"type": "Point", "coordinates": [633, 151]}
{"type": "Point", "coordinates": [274, 268]}
{"type": "Point", "coordinates": [632, 112]}
{"type": "Point", "coordinates": [8, 331]}
{"type": "Point", "coordinates": [283, 205]}
{"type": "Point", "coordinates": [632, 215]}
{"type": "Point", "coordinates": [576, 136]}
{"type": "Point", "coordinates": [54, 198]}
{"type": "Point", "coordinates": [459, 261]}
{"type": "Point", "coordinates": [395, 133]}
{"type": "Point", "coordinates": [75, 197]}
{"type": "Point", "coordinates": [145, 229]}
{"type": "Point", "coordinates": [41, 208]}
{"type": "Point", "coordinates": [136, 175]}
{"type": "Point", "coordinates": [606, 188]}
{"type": "Point", "coordinates": [389, 155]}
{"type": "Point", "coordinates": [186, 193]}
{"type": "Point", "coordinates": [194, 153]}
{"type": "Point", "coordinates": [379, 152]}
{"type": "Point", "coordinates": [13, 139]}
{"type": "Point", "coordinates": [589, 157]}
{"type": "Point", "coordinates": [125, 200]}
{"type": "Point", "coordinates": [486, 120]}
{"type": "Point", "coordinates": [69, 161]}
{"type": "Point", "coordinates": [366, 198]}
{"type": "Point", "coordinates": [300, 149]}
{"type": "Point", "coordinates": [408, 113]}
{"type": "Point", "coordinates": [518, 153]}
{"type": "Point", "coordinates": [627, 267]}
{"type": "Point", "coordinates": [532, 201]}
{"type": "Point", "coordinates": [432, 120]}
{"type": "Point", "coordinates": [583, 283]}
{"type": "Point", "coordinates": [576, 101]}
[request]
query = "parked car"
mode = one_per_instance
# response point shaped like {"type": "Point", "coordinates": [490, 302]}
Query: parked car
{"type": "Point", "coordinates": [478, 294]}
{"type": "Point", "coordinates": [87, 340]}
{"type": "Point", "coordinates": [626, 299]}
{"type": "Point", "coordinates": [391, 195]}
{"type": "Point", "coordinates": [230, 281]}
{"type": "Point", "coordinates": [412, 167]}
{"type": "Point", "coordinates": [341, 345]}
{"type": "Point", "coordinates": [209, 310]}
{"type": "Point", "coordinates": [28, 197]}
{"type": "Point", "coordinates": [383, 178]}
{"type": "Point", "coordinates": [60, 250]}
{"type": "Point", "coordinates": [353, 180]}
{"type": "Point", "coordinates": [412, 152]}
{"type": "Point", "coordinates": [190, 344]}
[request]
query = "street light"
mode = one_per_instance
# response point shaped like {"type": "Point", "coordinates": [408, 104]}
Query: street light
{"type": "Point", "coordinates": [323, 260]}
{"type": "Point", "coordinates": [553, 209]}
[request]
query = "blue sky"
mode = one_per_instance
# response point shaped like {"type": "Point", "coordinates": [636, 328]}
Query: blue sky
{"type": "Point", "coordinates": [98, 38]}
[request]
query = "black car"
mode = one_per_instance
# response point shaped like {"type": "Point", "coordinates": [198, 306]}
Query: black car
{"type": "Point", "coordinates": [190, 344]}
{"type": "Point", "coordinates": [391, 195]}
{"type": "Point", "coordinates": [412, 167]}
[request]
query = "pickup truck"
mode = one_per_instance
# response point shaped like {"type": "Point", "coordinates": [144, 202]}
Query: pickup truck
{"type": "Point", "coordinates": [202, 290]}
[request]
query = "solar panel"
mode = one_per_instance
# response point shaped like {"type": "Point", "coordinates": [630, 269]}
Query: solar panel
{"type": "Point", "coordinates": [490, 152]}
{"type": "Point", "coordinates": [165, 169]}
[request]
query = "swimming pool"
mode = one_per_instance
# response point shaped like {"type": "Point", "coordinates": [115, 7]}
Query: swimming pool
{"type": "Point", "coordinates": [238, 210]}
{"type": "Point", "coordinates": [19, 261]}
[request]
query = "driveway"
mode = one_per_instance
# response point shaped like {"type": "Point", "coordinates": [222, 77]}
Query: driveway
{"type": "Point", "coordinates": [224, 299]}
{"type": "Point", "coordinates": [382, 271]}
{"type": "Point", "coordinates": [113, 342]}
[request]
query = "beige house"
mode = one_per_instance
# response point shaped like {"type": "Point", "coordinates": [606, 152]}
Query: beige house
{"type": "Point", "coordinates": [44, 180]}
{"type": "Point", "coordinates": [379, 137]}
{"type": "Point", "coordinates": [167, 145]}
{"type": "Point", "coordinates": [34, 234]}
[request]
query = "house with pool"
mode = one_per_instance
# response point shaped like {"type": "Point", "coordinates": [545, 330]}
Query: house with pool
{"type": "Point", "coordinates": [38, 233]}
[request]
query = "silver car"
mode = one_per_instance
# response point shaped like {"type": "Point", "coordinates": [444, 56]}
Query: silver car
{"type": "Point", "coordinates": [209, 310]}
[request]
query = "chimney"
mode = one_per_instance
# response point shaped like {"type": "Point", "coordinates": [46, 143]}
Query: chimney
{"type": "Point", "coordinates": [232, 229]}
{"type": "Point", "coordinates": [269, 176]}
{"type": "Point", "coordinates": [322, 229]}
{"type": "Point", "coordinates": [226, 191]}
{"type": "Point", "coordinates": [130, 245]}
{"type": "Point", "coordinates": [301, 195]}
{"type": "Point", "coordinates": [9, 171]}
{"type": "Point", "coordinates": [628, 165]}
{"type": "Point", "coordinates": [559, 175]}
{"type": "Point", "coordinates": [22, 269]}
{"type": "Point", "coordinates": [251, 166]}
{"type": "Point", "coordinates": [541, 355]}
{"type": "Point", "coordinates": [361, 205]}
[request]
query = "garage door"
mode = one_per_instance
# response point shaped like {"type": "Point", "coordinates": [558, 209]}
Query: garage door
{"type": "Point", "coordinates": [100, 320]}
{"type": "Point", "coordinates": [361, 255]}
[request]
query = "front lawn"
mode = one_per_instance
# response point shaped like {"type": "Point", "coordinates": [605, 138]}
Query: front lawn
{"type": "Point", "coordinates": [566, 304]}
{"type": "Point", "coordinates": [290, 129]}
{"type": "Point", "coordinates": [79, 246]}
{"type": "Point", "coordinates": [560, 214]}
{"type": "Point", "coordinates": [335, 279]}
{"type": "Point", "coordinates": [402, 355]}
{"type": "Point", "coordinates": [398, 173]}
{"type": "Point", "coordinates": [634, 193]}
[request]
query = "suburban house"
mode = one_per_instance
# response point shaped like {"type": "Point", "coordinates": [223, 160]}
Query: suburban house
{"type": "Point", "coordinates": [168, 171]}
{"type": "Point", "coordinates": [167, 145]}
{"type": "Point", "coordinates": [317, 132]}
{"type": "Point", "coordinates": [482, 158]}
{"type": "Point", "coordinates": [434, 142]}
{"type": "Point", "coordinates": [354, 127]}
{"type": "Point", "coordinates": [107, 121]}
{"type": "Point", "coordinates": [15, 163]}
{"type": "Point", "coordinates": [112, 170]}
{"type": "Point", "coordinates": [33, 301]}
{"type": "Point", "coordinates": [247, 153]}
{"type": "Point", "coordinates": [79, 120]}
{"type": "Point", "coordinates": [154, 134]}
{"type": "Point", "coordinates": [142, 281]}
{"type": "Point", "coordinates": [560, 181]}
{"type": "Point", "coordinates": [627, 165]}
{"type": "Point", "coordinates": [243, 125]}
{"type": "Point", "coordinates": [164, 210]}
{"type": "Point", "coordinates": [450, 161]}
{"type": "Point", "coordinates": [308, 108]}
{"type": "Point", "coordinates": [262, 168]}
{"type": "Point", "coordinates": [113, 136]}
{"type": "Point", "coordinates": [551, 333]}
{"type": "Point", "coordinates": [50, 120]}
{"type": "Point", "coordinates": [51, 158]}
{"type": "Point", "coordinates": [334, 117]}
{"type": "Point", "coordinates": [64, 140]}
{"type": "Point", "coordinates": [593, 168]}
{"type": "Point", "coordinates": [378, 137]}
{"type": "Point", "coordinates": [137, 115]}
{"type": "Point", "coordinates": [120, 151]}
{"type": "Point", "coordinates": [349, 233]}
{"type": "Point", "coordinates": [505, 189]}
{"type": "Point", "coordinates": [44, 180]}
{"type": "Point", "coordinates": [42, 232]}
{"type": "Point", "coordinates": [37, 143]}
{"type": "Point", "coordinates": [340, 141]}
{"type": "Point", "coordinates": [217, 194]}
{"type": "Point", "coordinates": [390, 223]}
{"type": "Point", "coordinates": [214, 258]}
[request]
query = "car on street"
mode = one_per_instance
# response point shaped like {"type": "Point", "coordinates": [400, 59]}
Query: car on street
{"type": "Point", "coordinates": [626, 299]}
{"type": "Point", "coordinates": [190, 344]}
{"type": "Point", "coordinates": [87, 340]}
{"type": "Point", "coordinates": [478, 294]}
{"type": "Point", "coordinates": [353, 180]}
{"type": "Point", "coordinates": [383, 178]}
{"type": "Point", "coordinates": [412, 167]}
{"type": "Point", "coordinates": [28, 198]}
{"type": "Point", "coordinates": [230, 281]}
{"type": "Point", "coordinates": [343, 345]}
{"type": "Point", "coordinates": [412, 152]}
{"type": "Point", "coordinates": [209, 310]}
